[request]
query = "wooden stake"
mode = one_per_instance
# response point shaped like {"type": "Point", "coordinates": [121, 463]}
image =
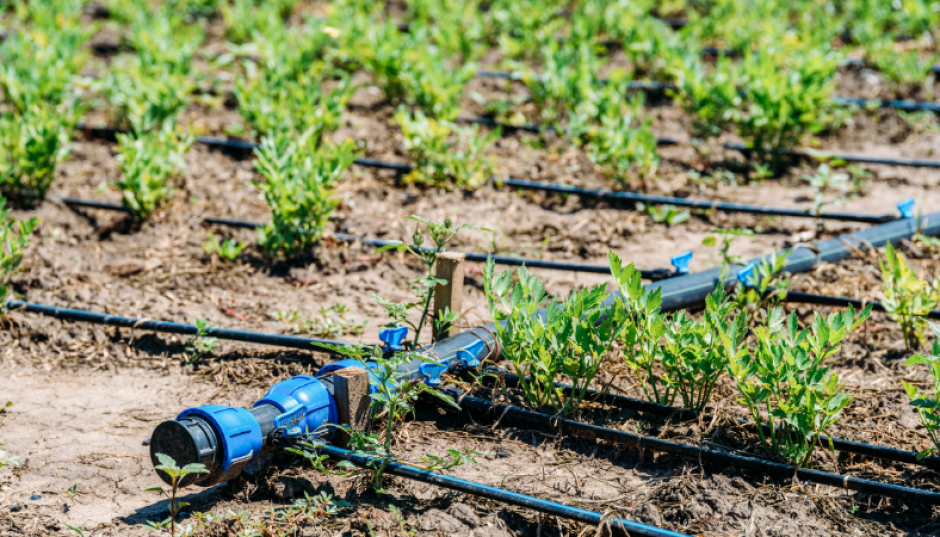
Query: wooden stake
{"type": "Point", "coordinates": [450, 295]}
{"type": "Point", "coordinates": [351, 393]}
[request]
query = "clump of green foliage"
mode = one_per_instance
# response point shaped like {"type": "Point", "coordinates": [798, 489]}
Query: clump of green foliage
{"type": "Point", "coordinates": [424, 287]}
{"type": "Point", "coordinates": [927, 404]}
{"type": "Point", "coordinates": [148, 162]}
{"type": "Point", "coordinates": [522, 26]}
{"type": "Point", "coordinates": [200, 344]}
{"type": "Point", "coordinates": [709, 96]}
{"type": "Point", "coordinates": [227, 249]}
{"type": "Point", "coordinates": [823, 181]}
{"type": "Point", "coordinates": [146, 99]}
{"type": "Point", "coordinates": [14, 239]}
{"type": "Point", "coordinates": [907, 298]}
{"type": "Point", "coordinates": [728, 236]}
{"type": "Point", "coordinates": [783, 375]}
{"type": "Point", "coordinates": [32, 145]}
{"type": "Point", "coordinates": [571, 340]}
{"type": "Point", "coordinates": [765, 288]}
{"type": "Point", "coordinates": [177, 475]}
{"type": "Point", "coordinates": [444, 154]}
{"type": "Point", "coordinates": [299, 175]}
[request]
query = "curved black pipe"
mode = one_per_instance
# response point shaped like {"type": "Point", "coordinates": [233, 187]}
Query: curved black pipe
{"type": "Point", "coordinates": [481, 408]}
{"type": "Point", "coordinates": [68, 314]}
{"type": "Point", "coordinates": [620, 525]}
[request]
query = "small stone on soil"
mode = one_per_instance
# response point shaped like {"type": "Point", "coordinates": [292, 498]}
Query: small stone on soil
{"type": "Point", "coordinates": [16, 508]}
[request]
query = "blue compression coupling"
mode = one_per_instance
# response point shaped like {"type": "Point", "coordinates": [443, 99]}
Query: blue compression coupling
{"type": "Point", "coordinates": [240, 436]}
{"type": "Point", "coordinates": [306, 405]}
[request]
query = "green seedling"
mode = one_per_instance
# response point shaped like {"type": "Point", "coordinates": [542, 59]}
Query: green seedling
{"type": "Point", "coordinates": [14, 239]}
{"type": "Point", "coordinates": [333, 321]}
{"type": "Point", "coordinates": [927, 404]}
{"type": "Point", "coordinates": [571, 340]}
{"type": "Point", "coordinates": [148, 163]}
{"type": "Point", "coordinates": [783, 376]}
{"type": "Point", "coordinates": [907, 298]}
{"type": "Point", "coordinates": [227, 249]}
{"type": "Point", "coordinates": [823, 181]}
{"type": "Point", "coordinates": [32, 145]}
{"type": "Point", "coordinates": [676, 356]}
{"type": "Point", "coordinates": [623, 143]}
{"type": "Point", "coordinates": [146, 99]}
{"type": "Point", "coordinates": [299, 176]}
{"type": "Point", "coordinates": [443, 154]}
{"type": "Point", "coordinates": [200, 344]}
{"type": "Point", "coordinates": [727, 236]}
{"type": "Point", "coordinates": [440, 234]}
{"type": "Point", "coordinates": [77, 531]}
{"type": "Point", "coordinates": [176, 474]}
{"type": "Point", "coordinates": [667, 214]}
{"type": "Point", "coordinates": [71, 492]}
{"type": "Point", "coordinates": [523, 26]}
{"type": "Point", "coordinates": [392, 399]}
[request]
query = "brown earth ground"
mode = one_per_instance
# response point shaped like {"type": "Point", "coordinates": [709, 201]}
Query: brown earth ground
{"type": "Point", "coordinates": [86, 397]}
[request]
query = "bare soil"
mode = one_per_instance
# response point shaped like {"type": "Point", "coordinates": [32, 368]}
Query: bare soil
{"type": "Point", "coordinates": [86, 398]}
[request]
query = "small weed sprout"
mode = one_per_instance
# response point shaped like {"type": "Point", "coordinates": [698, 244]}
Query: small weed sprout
{"type": "Point", "coordinates": [784, 375]}
{"type": "Point", "coordinates": [299, 175]}
{"type": "Point", "coordinates": [440, 234]}
{"type": "Point", "coordinates": [728, 236]}
{"type": "Point", "coordinates": [227, 249]}
{"type": "Point", "coordinates": [148, 163]}
{"type": "Point", "coordinates": [200, 344]}
{"type": "Point", "coordinates": [393, 395]}
{"type": "Point", "coordinates": [927, 404]}
{"type": "Point", "coordinates": [667, 214]}
{"type": "Point", "coordinates": [907, 298]}
{"type": "Point", "coordinates": [77, 531]}
{"type": "Point", "coordinates": [823, 181]}
{"type": "Point", "coordinates": [572, 339]}
{"type": "Point", "coordinates": [71, 492]}
{"type": "Point", "coordinates": [14, 239]}
{"type": "Point", "coordinates": [176, 474]}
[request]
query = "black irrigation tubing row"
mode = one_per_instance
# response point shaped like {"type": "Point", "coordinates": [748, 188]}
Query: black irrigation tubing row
{"type": "Point", "coordinates": [69, 314]}
{"type": "Point", "coordinates": [803, 153]}
{"type": "Point", "coordinates": [506, 414]}
{"type": "Point", "coordinates": [649, 274]}
{"type": "Point", "coordinates": [619, 525]}
{"type": "Point", "coordinates": [649, 85]}
{"type": "Point", "coordinates": [659, 409]}
{"type": "Point", "coordinates": [800, 297]}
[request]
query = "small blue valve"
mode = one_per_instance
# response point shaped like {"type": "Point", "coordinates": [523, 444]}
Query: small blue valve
{"type": "Point", "coordinates": [746, 275]}
{"type": "Point", "coordinates": [681, 262]}
{"type": "Point", "coordinates": [392, 337]}
{"type": "Point", "coordinates": [469, 354]}
{"type": "Point", "coordinates": [907, 208]}
{"type": "Point", "coordinates": [432, 373]}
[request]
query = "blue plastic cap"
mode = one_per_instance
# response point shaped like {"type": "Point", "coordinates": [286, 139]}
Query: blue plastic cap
{"type": "Point", "coordinates": [469, 355]}
{"type": "Point", "coordinates": [907, 207]}
{"type": "Point", "coordinates": [392, 337]}
{"type": "Point", "coordinates": [240, 434]}
{"type": "Point", "coordinates": [681, 262]}
{"type": "Point", "coordinates": [307, 393]}
{"type": "Point", "coordinates": [432, 373]}
{"type": "Point", "coordinates": [746, 275]}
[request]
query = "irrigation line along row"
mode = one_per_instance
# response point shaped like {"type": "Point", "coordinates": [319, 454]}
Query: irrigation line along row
{"type": "Point", "coordinates": [649, 274]}
{"type": "Point", "coordinates": [68, 314]}
{"type": "Point", "coordinates": [801, 153]}
{"type": "Point", "coordinates": [667, 411]}
{"type": "Point", "coordinates": [601, 194]}
{"type": "Point", "coordinates": [800, 297]}
{"type": "Point", "coordinates": [650, 85]}
{"type": "Point", "coordinates": [481, 408]}
{"type": "Point", "coordinates": [620, 525]}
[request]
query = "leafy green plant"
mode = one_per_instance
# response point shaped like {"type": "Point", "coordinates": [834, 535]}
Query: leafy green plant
{"type": "Point", "coordinates": [710, 97]}
{"type": "Point", "coordinates": [522, 26]}
{"type": "Point", "coordinates": [823, 181]}
{"type": "Point", "coordinates": [566, 80]}
{"type": "Point", "coordinates": [908, 68]}
{"type": "Point", "coordinates": [162, 38]}
{"type": "Point", "coordinates": [782, 379]}
{"type": "Point", "coordinates": [32, 145]}
{"type": "Point", "coordinates": [200, 344]}
{"type": "Point", "coordinates": [393, 392]}
{"type": "Point", "coordinates": [146, 99]}
{"type": "Point", "coordinates": [243, 18]}
{"type": "Point", "coordinates": [227, 249]}
{"type": "Point", "coordinates": [333, 321]}
{"type": "Point", "coordinates": [765, 287]}
{"type": "Point", "coordinates": [443, 154]}
{"type": "Point", "coordinates": [176, 474]}
{"type": "Point", "coordinates": [667, 214]}
{"type": "Point", "coordinates": [728, 236]}
{"type": "Point", "coordinates": [148, 162]}
{"type": "Point", "coordinates": [299, 175]}
{"type": "Point", "coordinates": [927, 404]}
{"type": "Point", "coordinates": [676, 356]}
{"type": "Point", "coordinates": [440, 234]}
{"type": "Point", "coordinates": [572, 339]}
{"type": "Point", "coordinates": [907, 298]}
{"type": "Point", "coordinates": [14, 239]}
{"type": "Point", "coordinates": [622, 144]}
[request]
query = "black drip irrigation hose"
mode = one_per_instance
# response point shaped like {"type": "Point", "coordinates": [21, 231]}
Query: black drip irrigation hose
{"type": "Point", "coordinates": [846, 446]}
{"type": "Point", "coordinates": [481, 408]}
{"type": "Point", "coordinates": [241, 147]}
{"type": "Point", "coordinates": [649, 274]}
{"type": "Point", "coordinates": [68, 314]}
{"type": "Point", "coordinates": [620, 525]}
{"type": "Point", "coordinates": [800, 297]}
